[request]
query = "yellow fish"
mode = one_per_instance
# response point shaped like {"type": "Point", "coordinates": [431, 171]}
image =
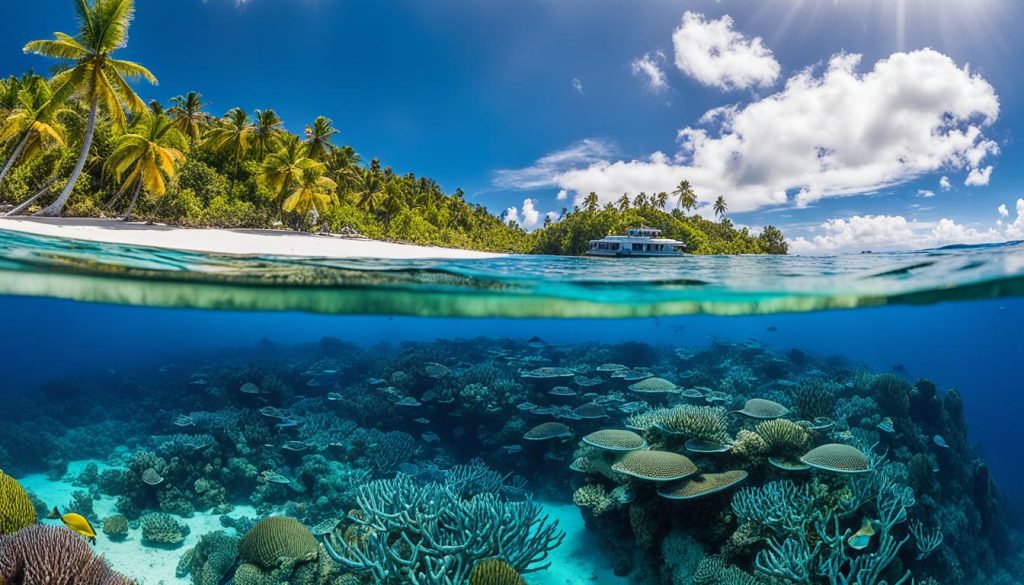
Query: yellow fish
{"type": "Point", "coordinates": [75, 522]}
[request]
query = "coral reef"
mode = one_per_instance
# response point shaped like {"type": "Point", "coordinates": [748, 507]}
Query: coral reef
{"type": "Point", "coordinates": [418, 463]}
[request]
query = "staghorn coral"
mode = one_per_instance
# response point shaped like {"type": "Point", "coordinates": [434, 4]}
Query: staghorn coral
{"type": "Point", "coordinates": [472, 529]}
{"type": "Point", "coordinates": [39, 555]}
{"type": "Point", "coordinates": [16, 510]}
{"type": "Point", "coordinates": [709, 423]}
{"type": "Point", "coordinates": [782, 435]}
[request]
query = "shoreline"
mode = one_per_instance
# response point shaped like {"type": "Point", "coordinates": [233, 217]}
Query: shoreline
{"type": "Point", "coordinates": [239, 242]}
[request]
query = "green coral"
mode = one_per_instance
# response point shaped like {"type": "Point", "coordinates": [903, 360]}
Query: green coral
{"type": "Point", "coordinates": [598, 500]}
{"type": "Point", "coordinates": [783, 435]}
{"type": "Point", "coordinates": [278, 540]}
{"type": "Point", "coordinates": [16, 510]}
{"type": "Point", "coordinates": [159, 529]}
{"type": "Point", "coordinates": [211, 559]}
{"type": "Point", "coordinates": [116, 527]}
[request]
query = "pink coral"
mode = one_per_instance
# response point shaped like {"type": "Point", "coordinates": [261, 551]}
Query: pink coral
{"type": "Point", "coordinates": [52, 555]}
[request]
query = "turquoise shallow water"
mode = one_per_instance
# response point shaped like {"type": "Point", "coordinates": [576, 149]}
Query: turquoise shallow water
{"type": "Point", "coordinates": [514, 286]}
{"type": "Point", "coordinates": [321, 390]}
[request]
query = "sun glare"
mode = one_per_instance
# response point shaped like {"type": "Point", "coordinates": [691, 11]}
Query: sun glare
{"type": "Point", "coordinates": [900, 24]}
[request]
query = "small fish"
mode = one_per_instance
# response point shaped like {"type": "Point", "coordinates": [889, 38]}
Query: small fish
{"type": "Point", "coordinates": [899, 368]}
{"type": "Point", "coordinates": [772, 329]}
{"type": "Point", "coordinates": [75, 522]}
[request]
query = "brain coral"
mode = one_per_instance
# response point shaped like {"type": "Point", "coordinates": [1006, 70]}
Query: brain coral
{"type": "Point", "coordinates": [278, 539]}
{"type": "Point", "coordinates": [495, 572]}
{"type": "Point", "coordinates": [16, 510]}
{"type": "Point", "coordinates": [39, 555]}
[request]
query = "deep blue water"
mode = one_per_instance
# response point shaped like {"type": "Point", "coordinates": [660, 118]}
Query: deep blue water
{"type": "Point", "coordinates": [976, 347]}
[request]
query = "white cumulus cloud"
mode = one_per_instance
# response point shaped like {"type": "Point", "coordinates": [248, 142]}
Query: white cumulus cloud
{"type": "Point", "coordinates": [978, 177]}
{"type": "Point", "coordinates": [714, 54]}
{"type": "Point", "coordinates": [528, 217]}
{"type": "Point", "coordinates": [926, 193]}
{"type": "Point", "coordinates": [577, 85]}
{"type": "Point", "coordinates": [793, 147]}
{"type": "Point", "coordinates": [895, 232]}
{"type": "Point", "coordinates": [649, 67]}
{"type": "Point", "coordinates": [945, 184]}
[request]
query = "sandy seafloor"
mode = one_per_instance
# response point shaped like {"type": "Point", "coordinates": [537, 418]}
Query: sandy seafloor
{"type": "Point", "coordinates": [576, 561]}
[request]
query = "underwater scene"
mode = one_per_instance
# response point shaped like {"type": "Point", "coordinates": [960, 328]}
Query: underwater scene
{"type": "Point", "coordinates": [732, 420]}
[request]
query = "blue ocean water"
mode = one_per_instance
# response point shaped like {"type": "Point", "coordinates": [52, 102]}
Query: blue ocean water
{"type": "Point", "coordinates": [953, 317]}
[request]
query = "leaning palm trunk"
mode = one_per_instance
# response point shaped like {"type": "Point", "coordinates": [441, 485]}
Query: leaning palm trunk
{"type": "Point", "coordinates": [135, 197]}
{"type": "Point", "coordinates": [24, 204]}
{"type": "Point", "coordinates": [55, 208]}
{"type": "Point", "coordinates": [14, 156]}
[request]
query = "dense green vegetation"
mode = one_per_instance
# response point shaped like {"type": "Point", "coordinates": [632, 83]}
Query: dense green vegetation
{"type": "Point", "coordinates": [84, 143]}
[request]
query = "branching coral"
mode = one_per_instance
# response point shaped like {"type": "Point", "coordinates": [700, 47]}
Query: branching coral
{"type": "Point", "coordinates": [50, 554]}
{"type": "Point", "coordinates": [783, 435]}
{"type": "Point", "coordinates": [426, 533]}
{"type": "Point", "coordinates": [709, 423]}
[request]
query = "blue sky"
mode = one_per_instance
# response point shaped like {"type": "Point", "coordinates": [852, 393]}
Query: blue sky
{"type": "Point", "coordinates": [523, 100]}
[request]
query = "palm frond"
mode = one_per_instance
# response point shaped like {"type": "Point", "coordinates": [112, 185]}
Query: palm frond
{"type": "Point", "coordinates": [112, 18]}
{"type": "Point", "coordinates": [56, 49]}
{"type": "Point", "coordinates": [132, 70]}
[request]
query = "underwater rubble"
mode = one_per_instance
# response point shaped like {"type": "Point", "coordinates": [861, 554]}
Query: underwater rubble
{"type": "Point", "coordinates": [429, 462]}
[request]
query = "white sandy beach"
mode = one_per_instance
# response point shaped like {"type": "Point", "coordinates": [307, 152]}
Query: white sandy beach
{"type": "Point", "coordinates": [229, 241]}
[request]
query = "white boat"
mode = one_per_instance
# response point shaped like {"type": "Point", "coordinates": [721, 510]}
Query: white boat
{"type": "Point", "coordinates": [641, 242]}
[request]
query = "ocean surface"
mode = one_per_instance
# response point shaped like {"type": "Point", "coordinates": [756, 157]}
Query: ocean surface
{"type": "Point", "coordinates": [194, 396]}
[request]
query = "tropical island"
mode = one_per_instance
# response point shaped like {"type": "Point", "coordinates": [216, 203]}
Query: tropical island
{"type": "Point", "coordinates": [83, 143]}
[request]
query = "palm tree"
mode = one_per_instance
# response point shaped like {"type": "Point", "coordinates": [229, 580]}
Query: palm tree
{"type": "Point", "coordinates": [267, 134]}
{"type": "Point", "coordinates": [623, 202]}
{"type": "Point", "coordinates": [685, 196]}
{"type": "Point", "coordinates": [344, 167]}
{"type": "Point", "coordinates": [188, 116]}
{"type": "Point", "coordinates": [95, 76]}
{"type": "Point", "coordinates": [590, 202]}
{"type": "Point", "coordinates": [660, 200]}
{"type": "Point", "coordinates": [146, 158]}
{"type": "Point", "coordinates": [720, 207]}
{"type": "Point", "coordinates": [281, 171]}
{"type": "Point", "coordinates": [233, 135]}
{"type": "Point", "coordinates": [34, 121]}
{"type": "Point", "coordinates": [313, 193]}
{"type": "Point", "coordinates": [318, 138]}
{"type": "Point", "coordinates": [640, 201]}
{"type": "Point", "coordinates": [369, 195]}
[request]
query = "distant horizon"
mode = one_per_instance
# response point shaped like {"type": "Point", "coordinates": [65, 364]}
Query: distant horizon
{"type": "Point", "coordinates": [529, 108]}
